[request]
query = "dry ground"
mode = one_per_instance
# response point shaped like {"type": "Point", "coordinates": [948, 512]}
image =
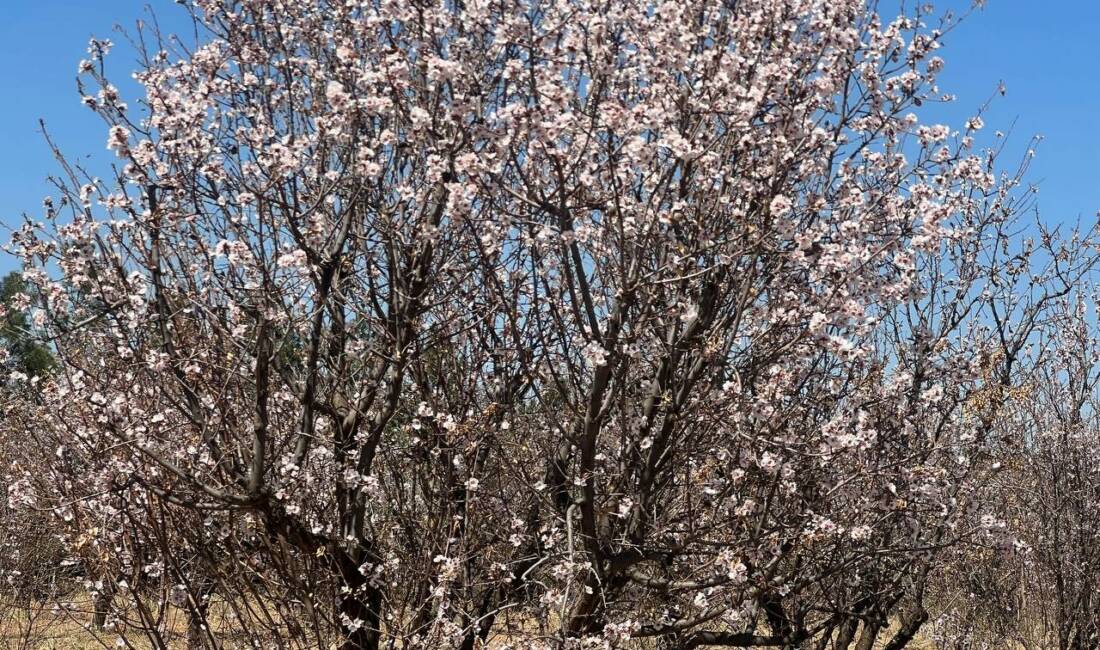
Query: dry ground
{"type": "Point", "coordinates": [49, 628]}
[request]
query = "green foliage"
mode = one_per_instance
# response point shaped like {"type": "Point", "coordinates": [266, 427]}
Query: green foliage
{"type": "Point", "coordinates": [26, 355]}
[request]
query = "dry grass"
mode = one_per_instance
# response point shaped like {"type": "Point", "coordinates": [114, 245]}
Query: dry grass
{"type": "Point", "coordinates": [48, 627]}
{"type": "Point", "coordinates": [52, 629]}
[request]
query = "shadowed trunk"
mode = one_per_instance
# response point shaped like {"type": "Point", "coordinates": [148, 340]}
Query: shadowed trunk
{"type": "Point", "coordinates": [911, 623]}
{"type": "Point", "coordinates": [198, 606]}
{"type": "Point", "coordinates": [869, 635]}
{"type": "Point", "coordinates": [101, 604]}
{"type": "Point", "coordinates": [846, 634]}
{"type": "Point", "coordinates": [359, 609]}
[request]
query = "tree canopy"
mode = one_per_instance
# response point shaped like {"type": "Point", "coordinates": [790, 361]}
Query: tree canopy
{"type": "Point", "coordinates": [548, 324]}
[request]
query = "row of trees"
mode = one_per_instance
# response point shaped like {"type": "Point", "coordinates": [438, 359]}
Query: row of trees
{"type": "Point", "coordinates": [555, 324]}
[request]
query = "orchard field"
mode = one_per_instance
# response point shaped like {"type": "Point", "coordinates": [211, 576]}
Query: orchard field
{"type": "Point", "coordinates": [549, 324]}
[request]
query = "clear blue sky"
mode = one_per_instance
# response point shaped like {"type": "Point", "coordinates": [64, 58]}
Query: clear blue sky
{"type": "Point", "coordinates": [41, 42]}
{"type": "Point", "coordinates": [1047, 57]}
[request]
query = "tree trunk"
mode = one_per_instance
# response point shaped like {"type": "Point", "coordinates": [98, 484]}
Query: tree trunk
{"type": "Point", "coordinates": [911, 623]}
{"type": "Point", "coordinates": [850, 625]}
{"type": "Point", "coordinates": [583, 616]}
{"type": "Point", "coordinates": [846, 634]}
{"type": "Point", "coordinates": [101, 604]}
{"type": "Point", "coordinates": [869, 635]}
{"type": "Point", "coordinates": [198, 632]}
{"type": "Point", "coordinates": [359, 608]}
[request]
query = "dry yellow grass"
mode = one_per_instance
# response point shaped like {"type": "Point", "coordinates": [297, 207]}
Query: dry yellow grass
{"type": "Point", "coordinates": [69, 628]}
{"type": "Point", "coordinates": [49, 628]}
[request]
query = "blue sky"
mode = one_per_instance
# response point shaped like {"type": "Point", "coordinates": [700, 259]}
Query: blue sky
{"type": "Point", "coordinates": [42, 41]}
{"type": "Point", "coordinates": [1046, 53]}
{"type": "Point", "coordinates": [1046, 57]}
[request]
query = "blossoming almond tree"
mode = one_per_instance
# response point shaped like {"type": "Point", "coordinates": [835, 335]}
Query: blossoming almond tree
{"type": "Point", "coordinates": [545, 323]}
{"type": "Point", "coordinates": [1040, 590]}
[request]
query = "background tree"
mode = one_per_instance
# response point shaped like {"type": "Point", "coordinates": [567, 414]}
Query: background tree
{"type": "Point", "coordinates": [20, 350]}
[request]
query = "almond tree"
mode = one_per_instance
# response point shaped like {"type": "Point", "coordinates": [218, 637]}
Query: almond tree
{"type": "Point", "coordinates": [1048, 503]}
{"type": "Point", "coordinates": [420, 325]}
